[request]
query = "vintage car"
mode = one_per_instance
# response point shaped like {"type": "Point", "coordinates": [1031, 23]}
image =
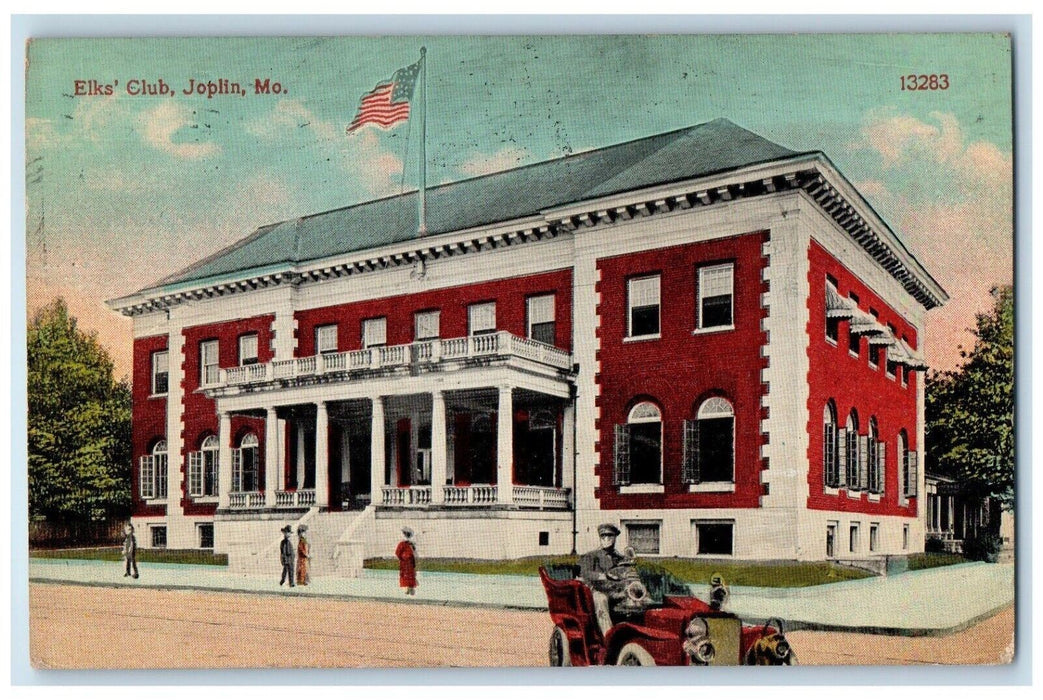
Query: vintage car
{"type": "Point", "coordinates": [657, 622]}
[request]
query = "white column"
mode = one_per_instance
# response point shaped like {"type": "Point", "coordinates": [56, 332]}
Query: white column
{"type": "Point", "coordinates": [568, 445]}
{"type": "Point", "coordinates": [299, 481]}
{"type": "Point", "coordinates": [322, 455]}
{"type": "Point", "coordinates": [271, 457]}
{"type": "Point", "coordinates": [224, 458]}
{"type": "Point", "coordinates": [376, 459]}
{"type": "Point", "coordinates": [505, 447]}
{"type": "Point", "coordinates": [439, 447]}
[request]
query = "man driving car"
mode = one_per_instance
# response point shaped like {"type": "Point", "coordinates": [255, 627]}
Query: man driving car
{"type": "Point", "coordinates": [595, 570]}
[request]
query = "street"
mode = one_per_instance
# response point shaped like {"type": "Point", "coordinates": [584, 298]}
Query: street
{"type": "Point", "coordinates": [83, 627]}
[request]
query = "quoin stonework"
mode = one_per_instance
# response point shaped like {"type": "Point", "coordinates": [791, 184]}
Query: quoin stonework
{"type": "Point", "coordinates": [702, 336]}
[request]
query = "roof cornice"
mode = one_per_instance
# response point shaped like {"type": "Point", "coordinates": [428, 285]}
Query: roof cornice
{"type": "Point", "coordinates": [811, 173]}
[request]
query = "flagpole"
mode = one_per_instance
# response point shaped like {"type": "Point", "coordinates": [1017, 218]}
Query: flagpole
{"type": "Point", "coordinates": [422, 214]}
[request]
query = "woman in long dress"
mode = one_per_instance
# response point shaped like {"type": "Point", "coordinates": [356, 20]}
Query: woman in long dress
{"type": "Point", "coordinates": [406, 553]}
{"type": "Point", "coordinates": [303, 556]}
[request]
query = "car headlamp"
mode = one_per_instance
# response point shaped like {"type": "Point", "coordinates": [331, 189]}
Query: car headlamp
{"type": "Point", "coordinates": [700, 651]}
{"type": "Point", "coordinates": [696, 628]}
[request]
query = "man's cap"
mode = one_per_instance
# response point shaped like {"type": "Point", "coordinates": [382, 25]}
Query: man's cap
{"type": "Point", "coordinates": [716, 580]}
{"type": "Point", "coordinates": [287, 529]}
{"type": "Point", "coordinates": [608, 529]}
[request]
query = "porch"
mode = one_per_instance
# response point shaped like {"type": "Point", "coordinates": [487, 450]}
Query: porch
{"type": "Point", "coordinates": [420, 426]}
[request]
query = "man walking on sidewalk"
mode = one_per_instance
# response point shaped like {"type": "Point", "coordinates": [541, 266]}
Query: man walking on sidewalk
{"type": "Point", "coordinates": [130, 551]}
{"type": "Point", "coordinates": [286, 557]}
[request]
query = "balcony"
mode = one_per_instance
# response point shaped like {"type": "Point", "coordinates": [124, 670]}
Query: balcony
{"type": "Point", "coordinates": [411, 357]}
{"type": "Point", "coordinates": [246, 499]}
{"type": "Point", "coordinates": [477, 496]}
{"type": "Point", "coordinates": [303, 498]}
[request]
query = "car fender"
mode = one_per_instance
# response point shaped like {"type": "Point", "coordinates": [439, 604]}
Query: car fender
{"type": "Point", "coordinates": [650, 638]}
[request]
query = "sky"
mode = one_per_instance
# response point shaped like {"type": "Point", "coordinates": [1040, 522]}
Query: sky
{"type": "Point", "coordinates": [124, 189]}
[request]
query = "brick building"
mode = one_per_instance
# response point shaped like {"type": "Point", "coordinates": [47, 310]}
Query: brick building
{"type": "Point", "coordinates": [703, 336]}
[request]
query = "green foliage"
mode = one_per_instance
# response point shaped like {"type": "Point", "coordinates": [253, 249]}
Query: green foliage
{"type": "Point", "coordinates": [982, 546]}
{"type": "Point", "coordinates": [930, 560]}
{"type": "Point", "coordinates": [198, 557]}
{"type": "Point", "coordinates": [934, 545]}
{"type": "Point", "coordinates": [79, 423]}
{"type": "Point", "coordinates": [970, 411]}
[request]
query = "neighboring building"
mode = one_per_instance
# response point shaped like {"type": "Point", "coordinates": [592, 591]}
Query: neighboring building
{"type": "Point", "coordinates": [954, 516]}
{"type": "Point", "coordinates": [703, 336]}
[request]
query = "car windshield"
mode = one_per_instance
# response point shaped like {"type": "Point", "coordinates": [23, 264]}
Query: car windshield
{"type": "Point", "coordinates": [658, 580]}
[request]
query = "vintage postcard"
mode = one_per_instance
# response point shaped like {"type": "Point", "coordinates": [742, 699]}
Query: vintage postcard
{"type": "Point", "coordinates": [621, 350]}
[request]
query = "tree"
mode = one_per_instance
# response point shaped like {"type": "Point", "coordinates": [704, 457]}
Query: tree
{"type": "Point", "coordinates": [79, 422]}
{"type": "Point", "coordinates": [970, 410]}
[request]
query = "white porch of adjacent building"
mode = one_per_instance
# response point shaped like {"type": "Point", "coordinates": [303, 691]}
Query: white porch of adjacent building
{"type": "Point", "coordinates": [386, 421]}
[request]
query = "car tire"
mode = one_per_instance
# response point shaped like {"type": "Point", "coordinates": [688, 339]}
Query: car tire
{"type": "Point", "coordinates": [634, 654]}
{"type": "Point", "coordinates": [558, 653]}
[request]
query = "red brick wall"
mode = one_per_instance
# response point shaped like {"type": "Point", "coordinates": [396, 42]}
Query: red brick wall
{"type": "Point", "coordinates": [148, 416]}
{"type": "Point", "coordinates": [681, 369]}
{"type": "Point", "coordinates": [200, 417]}
{"type": "Point", "coordinates": [851, 383]}
{"type": "Point", "coordinates": [509, 295]}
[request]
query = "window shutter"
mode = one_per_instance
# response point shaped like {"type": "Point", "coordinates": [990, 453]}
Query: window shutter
{"type": "Point", "coordinates": [195, 473]}
{"type": "Point", "coordinates": [622, 456]}
{"type": "Point", "coordinates": [842, 457]}
{"type": "Point", "coordinates": [145, 477]}
{"type": "Point", "coordinates": [161, 475]}
{"type": "Point", "coordinates": [863, 461]}
{"type": "Point", "coordinates": [912, 478]}
{"type": "Point", "coordinates": [881, 467]}
{"type": "Point", "coordinates": [690, 455]}
{"type": "Point", "coordinates": [237, 470]}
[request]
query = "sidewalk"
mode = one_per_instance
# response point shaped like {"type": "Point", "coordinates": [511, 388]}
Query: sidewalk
{"type": "Point", "coordinates": [932, 601]}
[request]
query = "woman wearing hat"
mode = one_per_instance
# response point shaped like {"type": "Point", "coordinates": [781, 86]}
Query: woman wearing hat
{"type": "Point", "coordinates": [406, 553]}
{"type": "Point", "coordinates": [303, 556]}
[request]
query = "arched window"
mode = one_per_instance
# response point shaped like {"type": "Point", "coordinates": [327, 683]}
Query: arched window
{"type": "Point", "coordinates": [873, 458]}
{"type": "Point", "coordinates": [639, 446]}
{"type": "Point", "coordinates": [851, 451]}
{"type": "Point", "coordinates": [715, 440]}
{"type": "Point", "coordinates": [244, 464]}
{"type": "Point", "coordinates": [152, 472]}
{"type": "Point", "coordinates": [202, 468]}
{"type": "Point", "coordinates": [830, 455]}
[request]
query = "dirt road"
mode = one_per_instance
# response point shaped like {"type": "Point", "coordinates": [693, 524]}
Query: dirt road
{"type": "Point", "coordinates": [80, 627]}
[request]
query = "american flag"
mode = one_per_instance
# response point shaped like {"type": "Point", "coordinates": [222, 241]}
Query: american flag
{"type": "Point", "coordinates": [388, 103]}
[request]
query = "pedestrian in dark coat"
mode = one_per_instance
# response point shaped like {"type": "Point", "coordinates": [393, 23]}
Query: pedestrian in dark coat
{"type": "Point", "coordinates": [406, 553]}
{"type": "Point", "coordinates": [286, 557]}
{"type": "Point", "coordinates": [130, 551]}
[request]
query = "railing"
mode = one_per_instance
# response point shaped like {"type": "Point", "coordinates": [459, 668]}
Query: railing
{"type": "Point", "coordinates": [474, 495]}
{"type": "Point", "coordinates": [542, 497]}
{"type": "Point", "coordinates": [304, 498]}
{"type": "Point", "coordinates": [407, 496]}
{"type": "Point", "coordinates": [246, 499]}
{"type": "Point", "coordinates": [423, 352]}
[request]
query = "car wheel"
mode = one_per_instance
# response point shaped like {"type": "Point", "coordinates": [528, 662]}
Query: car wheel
{"type": "Point", "coordinates": [558, 653]}
{"type": "Point", "coordinates": [634, 654]}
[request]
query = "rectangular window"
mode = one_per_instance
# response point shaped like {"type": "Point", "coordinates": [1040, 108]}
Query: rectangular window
{"type": "Point", "coordinates": [147, 477]}
{"type": "Point", "coordinates": [326, 339]}
{"type": "Point", "coordinates": [426, 325]}
{"type": "Point", "coordinates": [831, 540]}
{"type": "Point", "coordinates": [160, 372]}
{"type": "Point", "coordinates": [716, 286]}
{"type": "Point", "coordinates": [195, 473]}
{"type": "Point", "coordinates": [853, 544]}
{"type": "Point", "coordinates": [210, 458]}
{"type": "Point", "coordinates": [852, 455]}
{"type": "Point", "coordinates": [540, 318]}
{"type": "Point", "coordinates": [374, 332]}
{"type": "Point", "coordinates": [158, 535]}
{"type": "Point", "coordinates": [206, 535]}
{"type": "Point", "coordinates": [830, 463]}
{"type": "Point", "coordinates": [714, 537]}
{"type": "Point", "coordinates": [481, 318]}
{"type": "Point", "coordinates": [209, 367]}
{"type": "Point", "coordinates": [643, 537]}
{"type": "Point", "coordinates": [854, 340]}
{"type": "Point", "coordinates": [643, 306]}
{"type": "Point", "coordinates": [248, 349]}
{"type": "Point", "coordinates": [905, 537]}
{"type": "Point", "coordinates": [874, 537]}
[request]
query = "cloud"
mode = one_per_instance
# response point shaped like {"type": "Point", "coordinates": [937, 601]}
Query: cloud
{"type": "Point", "coordinates": [504, 159]}
{"type": "Point", "coordinates": [375, 168]}
{"type": "Point", "coordinates": [159, 125]}
{"type": "Point", "coordinates": [951, 201]}
{"type": "Point", "coordinates": [294, 115]}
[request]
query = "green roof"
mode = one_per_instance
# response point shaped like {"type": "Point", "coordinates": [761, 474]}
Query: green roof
{"type": "Point", "coordinates": [714, 147]}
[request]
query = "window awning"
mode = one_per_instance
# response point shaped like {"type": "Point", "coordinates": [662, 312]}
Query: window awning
{"type": "Point", "coordinates": [864, 324]}
{"type": "Point", "coordinates": [836, 305]}
{"type": "Point", "coordinates": [885, 338]}
{"type": "Point", "coordinates": [901, 353]}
